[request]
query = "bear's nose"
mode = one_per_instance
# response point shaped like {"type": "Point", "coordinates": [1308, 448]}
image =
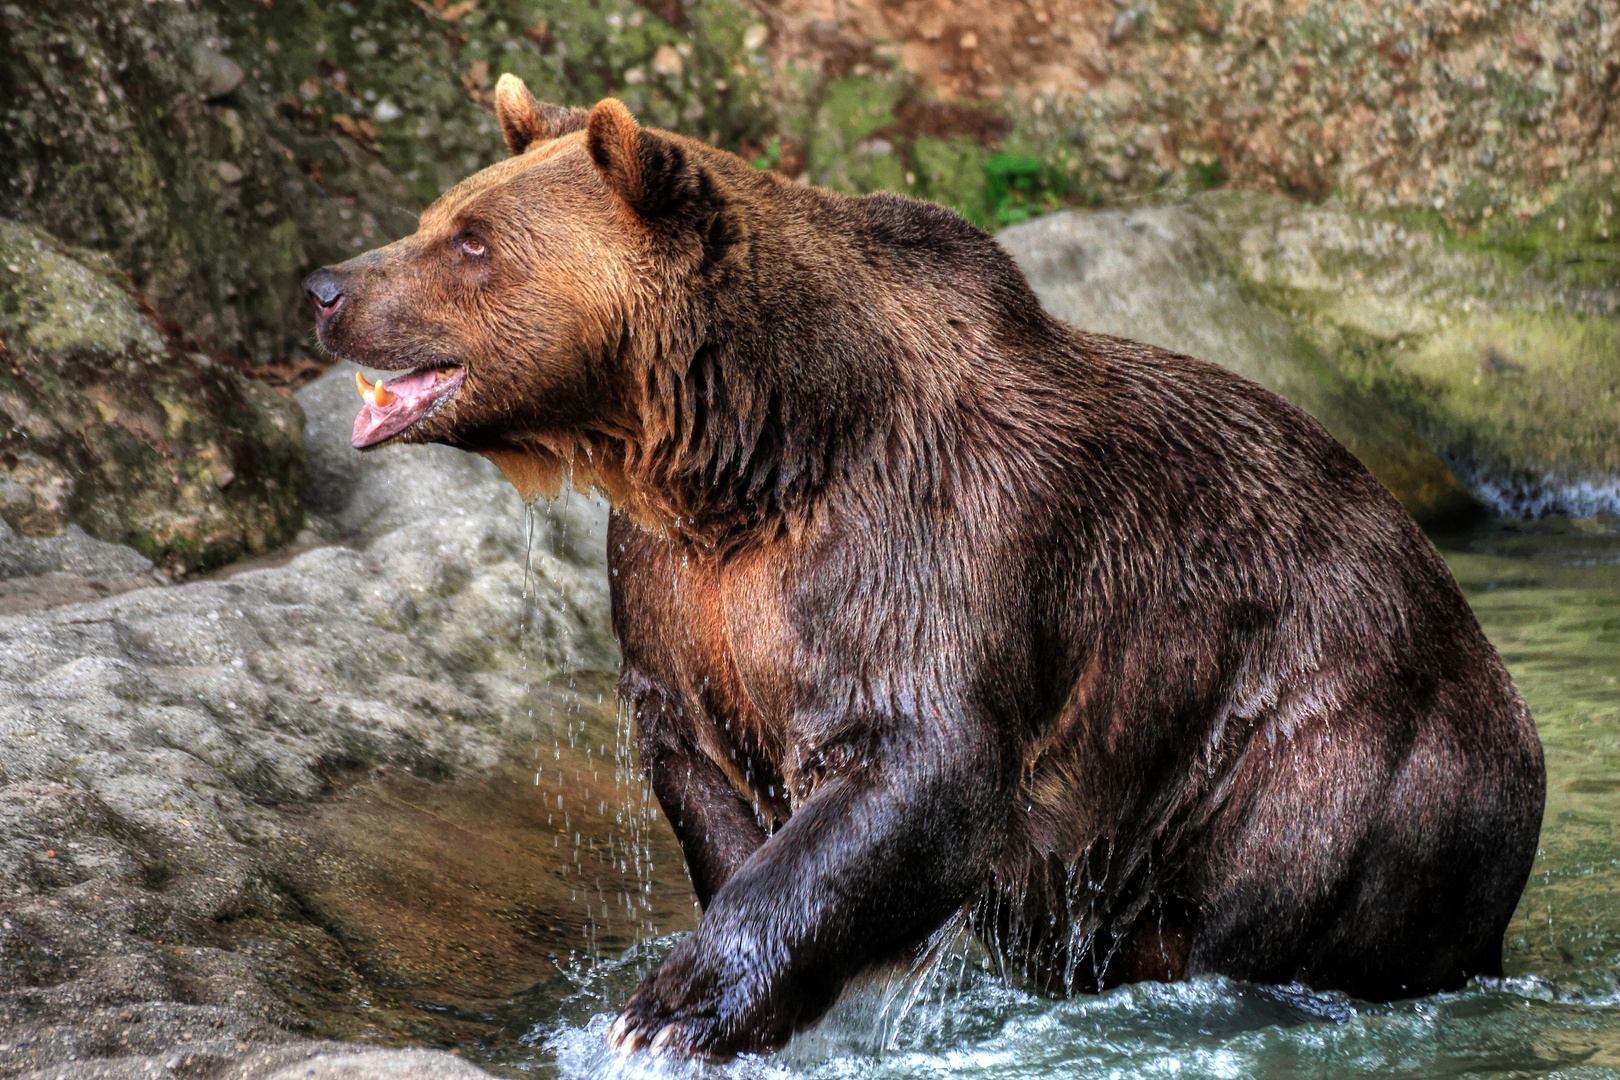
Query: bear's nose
{"type": "Point", "coordinates": [324, 288]}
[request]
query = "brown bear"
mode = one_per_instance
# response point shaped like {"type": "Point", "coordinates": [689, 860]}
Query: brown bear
{"type": "Point", "coordinates": [933, 607]}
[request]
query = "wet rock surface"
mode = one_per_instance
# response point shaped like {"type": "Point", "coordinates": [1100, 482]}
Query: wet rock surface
{"type": "Point", "coordinates": [113, 423]}
{"type": "Point", "coordinates": [307, 799]}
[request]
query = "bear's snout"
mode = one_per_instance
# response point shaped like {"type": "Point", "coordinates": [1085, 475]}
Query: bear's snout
{"type": "Point", "coordinates": [325, 289]}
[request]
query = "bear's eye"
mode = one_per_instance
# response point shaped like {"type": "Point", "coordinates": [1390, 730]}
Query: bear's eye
{"type": "Point", "coordinates": [472, 247]}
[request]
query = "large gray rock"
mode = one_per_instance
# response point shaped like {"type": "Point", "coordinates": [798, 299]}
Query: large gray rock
{"type": "Point", "coordinates": [156, 746]}
{"type": "Point", "coordinates": [1153, 275]}
{"type": "Point", "coordinates": [299, 1060]}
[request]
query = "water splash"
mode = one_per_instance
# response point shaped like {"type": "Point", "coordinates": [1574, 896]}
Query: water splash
{"type": "Point", "coordinates": [1517, 494]}
{"type": "Point", "coordinates": [962, 1021]}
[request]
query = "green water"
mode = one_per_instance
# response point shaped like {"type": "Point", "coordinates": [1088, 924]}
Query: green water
{"type": "Point", "coordinates": [1548, 595]}
{"type": "Point", "coordinates": [1549, 598]}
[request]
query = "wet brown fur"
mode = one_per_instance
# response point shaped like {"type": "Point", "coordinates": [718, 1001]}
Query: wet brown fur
{"type": "Point", "coordinates": [931, 605]}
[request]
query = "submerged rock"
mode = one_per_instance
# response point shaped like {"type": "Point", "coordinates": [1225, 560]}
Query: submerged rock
{"type": "Point", "coordinates": [1155, 276]}
{"type": "Point", "coordinates": [180, 880]}
{"type": "Point", "coordinates": [113, 424]}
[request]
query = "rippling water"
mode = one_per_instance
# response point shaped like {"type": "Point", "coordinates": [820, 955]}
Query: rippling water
{"type": "Point", "coordinates": [1549, 597]}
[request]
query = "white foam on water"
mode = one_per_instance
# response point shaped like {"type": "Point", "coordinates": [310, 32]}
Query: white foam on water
{"type": "Point", "coordinates": [1521, 496]}
{"type": "Point", "coordinates": [964, 1024]}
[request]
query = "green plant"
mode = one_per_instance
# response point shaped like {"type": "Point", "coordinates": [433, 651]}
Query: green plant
{"type": "Point", "coordinates": [772, 155]}
{"type": "Point", "coordinates": [1017, 188]}
{"type": "Point", "coordinates": [1204, 175]}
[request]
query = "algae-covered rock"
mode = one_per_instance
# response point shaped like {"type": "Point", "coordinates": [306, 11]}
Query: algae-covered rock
{"type": "Point", "coordinates": [126, 129]}
{"type": "Point", "coordinates": [1153, 275]}
{"type": "Point", "coordinates": [1506, 360]}
{"type": "Point", "coordinates": [113, 424]}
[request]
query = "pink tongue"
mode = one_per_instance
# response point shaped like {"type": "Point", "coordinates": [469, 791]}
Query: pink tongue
{"type": "Point", "coordinates": [413, 395]}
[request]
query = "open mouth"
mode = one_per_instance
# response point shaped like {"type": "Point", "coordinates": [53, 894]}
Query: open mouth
{"type": "Point", "coordinates": [391, 407]}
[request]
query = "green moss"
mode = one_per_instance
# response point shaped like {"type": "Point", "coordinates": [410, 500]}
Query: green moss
{"type": "Point", "coordinates": [1568, 237]}
{"type": "Point", "coordinates": [1530, 398]}
{"type": "Point", "coordinates": [852, 143]}
{"type": "Point", "coordinates": [1314, 371]}
{"type": "Point", "coordinates": [860, 142]}
{"type": "Point", "coordinates": [1205, 175]}
{"type": "Point", "coordinates": [1522, 387]}
{"type": "Point", "coordinates": [1517, 101]}
{"type": "Point", "coordinates": [950, 171]}
{"type": "Point", "coordinates": [53, 303]}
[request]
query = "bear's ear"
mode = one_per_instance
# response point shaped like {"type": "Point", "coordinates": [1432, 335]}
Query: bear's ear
{"type": "Point", "coordinates": [525, 121]}
{"type": "Point", "coordinates": [641, 167]}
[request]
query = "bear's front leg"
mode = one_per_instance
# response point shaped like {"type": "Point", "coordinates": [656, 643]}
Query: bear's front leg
{"type": "Point", "coordinates": [867, 867]}
{"type": "Point", "coordinates": [716, 829]}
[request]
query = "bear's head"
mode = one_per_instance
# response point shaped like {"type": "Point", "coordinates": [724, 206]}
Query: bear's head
{"type": "Point", "coordinates": [708, 344]}
{"type": "Point", "coordinates": [532, 303]}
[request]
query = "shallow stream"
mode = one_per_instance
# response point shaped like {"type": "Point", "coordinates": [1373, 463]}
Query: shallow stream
{"type": "Point", "coordinates": [1549, 597]}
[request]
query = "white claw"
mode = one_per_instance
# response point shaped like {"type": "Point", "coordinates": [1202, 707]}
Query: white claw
{"type": "Point", "coordinates": [663, 1037]}
{"type": "Point", "coordinates": [615, 1034]}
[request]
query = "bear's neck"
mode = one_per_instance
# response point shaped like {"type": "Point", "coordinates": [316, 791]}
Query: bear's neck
{"type": "Point", "coordinates": [843, 359]}
{"type": "Point", "coordinates": [729, 450]}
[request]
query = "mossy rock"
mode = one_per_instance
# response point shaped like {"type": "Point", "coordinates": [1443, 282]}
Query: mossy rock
{"type": "Point", "coordinates": [413, 84]}
{"type": "Point", "coordinates": [1501, 348]}
{"type": "Point", "coordinates": [1152, 275]}
{"type": "Point", "coordinates": [126, 128]}
{"type": "Point", "coordinates": [113, 423]}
